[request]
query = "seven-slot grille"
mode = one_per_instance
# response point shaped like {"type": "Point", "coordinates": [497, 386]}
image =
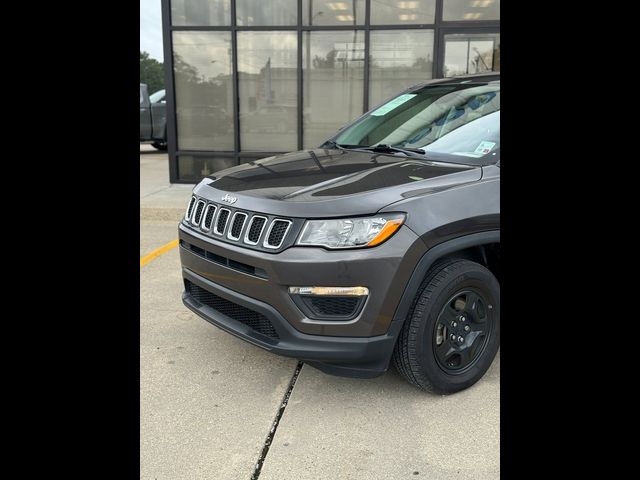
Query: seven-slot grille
{"type": "Point", "coordinates": [228, 224]}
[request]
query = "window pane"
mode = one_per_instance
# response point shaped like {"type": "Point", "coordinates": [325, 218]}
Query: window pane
{"type": "Point", "coordinates": [203, 84]}
{"type": "Point", "coordinates": [392, 12]}
{"type": "Point", "coordinates": [200, 12]}
{"type": "Point", "coordinates": [332, 67]}
{"type": "Point", "coordinates": [195, 168]}
{"type": "Point", "coordinates": [471, 10]}
{"type": "Point", "coordinates": [326, 12]}
{"type": "Point", "coordinates": [399, 59]}
{"type": "Point", "coordinates": [471, 53]}
{"type": "Point", "coordinates": [266, 12]}
{"type": "Point", "coordinates": [268, 83]}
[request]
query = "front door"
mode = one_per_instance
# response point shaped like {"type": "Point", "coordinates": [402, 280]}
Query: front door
{"type": "Point", "coordinates": [463, 52]}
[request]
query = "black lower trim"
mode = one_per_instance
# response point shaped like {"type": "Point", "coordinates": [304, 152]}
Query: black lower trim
{"type": "Point", "coordinates": [358, 357]}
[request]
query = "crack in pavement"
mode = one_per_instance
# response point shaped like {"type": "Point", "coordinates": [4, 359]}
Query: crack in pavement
{"type": "Point", "coordinates": [276, 421]}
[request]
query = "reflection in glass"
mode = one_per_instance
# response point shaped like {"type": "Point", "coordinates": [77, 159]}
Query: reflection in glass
{"type": "Point", "coordinates": [399, 59]}
{"type": "Point", "coordinates": [332, 70]}
{"type": "Point", "coordinates": [268, 90]}
{"type": "Point", "coordinates": [200, 12]}
{"type": "Point", "coordinates": [449, 122]}
{"type": "Point", "coordinates": [471, 53]}
{"type": "Point", "coordinates": [328, 12]}
{"type": "Point", "coordinates": [195, 168]}
{"type": "Point", "coordinates": [203, 88]}
{"type": "Point", "coordinates": [266, 12]}
{"type": "Point", "coordinates": [471, 10]}
{"type": "Point", "coordinates": [393, 12]}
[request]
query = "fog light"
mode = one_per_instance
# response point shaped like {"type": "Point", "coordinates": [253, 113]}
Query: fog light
{"type": "Point", "coordinates": [331, 291]}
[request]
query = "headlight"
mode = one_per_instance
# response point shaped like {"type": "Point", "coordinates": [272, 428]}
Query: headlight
{"type": "Point", "coordinates": [350, 232]}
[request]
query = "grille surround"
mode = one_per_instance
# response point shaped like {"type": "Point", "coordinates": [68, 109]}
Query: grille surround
{"type": "Point", "coordinates": [265, 221]}
{"type": "Point", "coordinates": [232, 224]}
{"type": "Point", "coordinates": [209, 208]}
{"type": "Point", "coordinates": [267, 238]}
{"type": "Point", "coordinates": [190, 206]}
{"type": "Point", "coordinates": [216, 230]}
{"type": "Point", "coordinates": [197, 212]}
{"type": "Point", "coordinates": [254, 320]}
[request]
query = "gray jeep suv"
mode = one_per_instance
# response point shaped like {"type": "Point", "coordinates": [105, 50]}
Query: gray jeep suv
{"type": "Point", "coordinates": [382, 245]}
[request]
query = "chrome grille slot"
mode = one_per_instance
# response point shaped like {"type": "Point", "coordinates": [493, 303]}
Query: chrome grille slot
{"type": "Point", "coordinates": [276, 233]}
{"type": "Point", "coordinates": [209, 213]}
{"type": "Point", "coordinates": [254, 230]}
{"type": "Point", "coordinates": [192, 202]}
{"type": "Point", "coordinates": [197, 215]}
{"type": "Point", "coordinates": [221, 222]}
{"type": "Point", "coordinates": [237, 222]}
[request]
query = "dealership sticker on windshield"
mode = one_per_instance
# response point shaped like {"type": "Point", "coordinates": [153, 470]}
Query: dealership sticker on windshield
{"type": "Point", "coordinates": [396, 102]}
{"type": "Point", "coordinates": [484, 147]}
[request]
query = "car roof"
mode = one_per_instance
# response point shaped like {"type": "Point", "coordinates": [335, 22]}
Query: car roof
{"type": "Point", "coordinates": [484, 77]}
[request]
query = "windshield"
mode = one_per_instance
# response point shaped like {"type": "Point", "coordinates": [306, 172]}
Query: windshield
{"type": "Point", "coordinates": [156, 97]}
{"type": "Point", "coordinates": [458, 123]}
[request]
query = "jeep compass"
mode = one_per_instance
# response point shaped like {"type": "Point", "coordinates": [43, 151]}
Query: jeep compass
{"type": "Point", "coordinates": [380, 246]}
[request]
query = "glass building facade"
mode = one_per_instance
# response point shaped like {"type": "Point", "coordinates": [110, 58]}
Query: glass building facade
{"type": "Point", "coordinates": [247, 79]}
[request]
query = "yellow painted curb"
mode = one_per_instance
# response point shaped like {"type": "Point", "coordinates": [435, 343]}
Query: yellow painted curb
{"type": "Point", "coordinates": [157, 252]}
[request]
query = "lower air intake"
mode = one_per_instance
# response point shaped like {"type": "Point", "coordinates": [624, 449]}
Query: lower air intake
{"type": "Point", "coordinates": [252, 319]}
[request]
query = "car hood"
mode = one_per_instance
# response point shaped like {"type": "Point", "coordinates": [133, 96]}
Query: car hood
{"type": "Point", "coordinates": [326, 182]}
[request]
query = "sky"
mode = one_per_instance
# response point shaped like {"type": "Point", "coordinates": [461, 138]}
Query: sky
{"type": "Point", "coordinates": [151, 28]}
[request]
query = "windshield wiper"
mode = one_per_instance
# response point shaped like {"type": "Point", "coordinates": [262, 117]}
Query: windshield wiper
{"type": "Point", "coordinates": [334, 144]}
{"type": "Point", "coordinates": [380, 148]}
{"type": "Point", "coordinates": [383, 148]}
{"type": "Point", "coordinates": [390, 148]}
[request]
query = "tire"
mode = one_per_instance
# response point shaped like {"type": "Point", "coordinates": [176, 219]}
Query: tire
{"type": "Point", "coordinates": [442, 308]}
{"type": "Point", "coordinates": [160, 146]}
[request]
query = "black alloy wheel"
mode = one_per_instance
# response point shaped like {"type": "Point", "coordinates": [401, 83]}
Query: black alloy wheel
{"type": "Point", "coordinates": [462, 330]}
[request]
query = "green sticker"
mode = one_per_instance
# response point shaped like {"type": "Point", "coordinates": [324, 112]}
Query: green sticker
{"type": "Point", "coordinates": [484, 148]}
{"type": "Point", "coordinates": [396, 102]}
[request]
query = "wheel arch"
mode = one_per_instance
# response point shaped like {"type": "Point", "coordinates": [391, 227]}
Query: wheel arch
{"type": "Point", "coordinates": [472, 247]}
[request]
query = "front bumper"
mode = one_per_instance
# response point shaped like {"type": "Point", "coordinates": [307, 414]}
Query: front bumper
{"type": "Point", "coordinates": [361, 347]}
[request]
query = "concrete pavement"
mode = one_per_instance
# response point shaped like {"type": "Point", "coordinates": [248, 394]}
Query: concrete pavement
{"type": "Point", "coordinates": [386, 429]}
{"type": "Point", "coordinates": [208, 400]}
{"type": "Point", "coordinates": [159, 200]}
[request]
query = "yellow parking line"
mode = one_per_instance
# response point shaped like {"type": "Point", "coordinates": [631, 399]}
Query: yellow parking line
{"type": "Point", "coordinates": [157, 252]}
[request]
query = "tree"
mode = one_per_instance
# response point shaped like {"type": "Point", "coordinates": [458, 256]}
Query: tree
{"type": "Point", "coordinates": [151, 72]}
{"type": "Point", "coordinates": [327, 62]}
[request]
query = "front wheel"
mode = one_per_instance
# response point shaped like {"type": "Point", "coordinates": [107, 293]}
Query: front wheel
{"type": "Point", "coordinates": [452, 332]}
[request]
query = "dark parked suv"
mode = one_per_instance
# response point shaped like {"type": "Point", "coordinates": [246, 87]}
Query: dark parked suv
{"type": "Point", "coordinates": [382, 245]}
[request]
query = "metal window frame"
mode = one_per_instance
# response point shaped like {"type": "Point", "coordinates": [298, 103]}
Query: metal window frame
{"type": "Point", "coordinates": [439, 28]}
